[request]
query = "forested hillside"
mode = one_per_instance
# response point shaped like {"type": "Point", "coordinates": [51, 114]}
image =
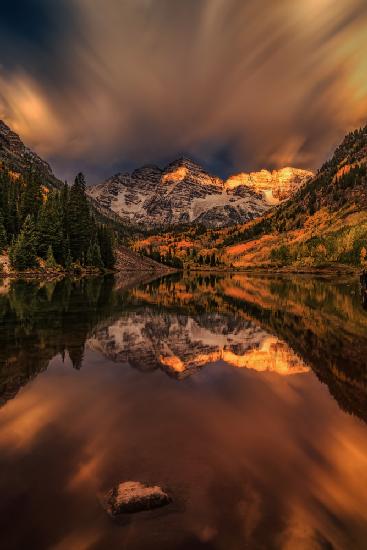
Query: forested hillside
{"type": "Point", "coordinates": [341, 182]}
{"type": "Point", "coordinates": [323, 225]}
{"type": "Point", "coordinates": [55, 227]}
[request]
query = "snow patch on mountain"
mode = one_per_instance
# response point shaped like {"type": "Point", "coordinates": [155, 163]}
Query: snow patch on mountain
{"type": "Point", "coordinates": [184, 192]}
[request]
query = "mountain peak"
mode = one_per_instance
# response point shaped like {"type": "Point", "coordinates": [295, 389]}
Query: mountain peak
{"type": "Point", "coordinates": [186, 162]}
{"type": "Point", "coordinates": [184, 192]}
{"type": "Point", "coordinates": [186, 169]}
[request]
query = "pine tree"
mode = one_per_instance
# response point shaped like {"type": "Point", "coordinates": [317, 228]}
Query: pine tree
{"type": "Point", "coordinates": [3, 236]}
{"type": "Point", "coordinates": [31, 197]}
{"type": "Point", "coordinates": [23, 253]}
{"type": "Point", "coordinates": [68, 259]}
{"type": "Point", "coordinates": [89, 256]}
{"type": "Point", "coordinates": [80, 222]}
{"type": "Point", "coordinates": [50, 228]}
{"type": "Point", "coordinates": [12, 216]}
{"type": "Point", "coordinates": [36, 220]}
{"type": "Point", "coordinates": [106, 244]}
{"type": "Point", "coordinates": [64, 203]}
{"type": "Point", "coordinates": [50, 259]}
{"type": "Point", "coordinates": [96, 256]}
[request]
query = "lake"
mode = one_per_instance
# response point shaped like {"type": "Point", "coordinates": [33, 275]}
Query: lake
{"type": "Point", "coordinates": [243, 396]}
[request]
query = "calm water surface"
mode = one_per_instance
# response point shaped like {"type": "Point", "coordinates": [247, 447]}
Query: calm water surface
{"type": "Point", "coordinates": [245, 397]}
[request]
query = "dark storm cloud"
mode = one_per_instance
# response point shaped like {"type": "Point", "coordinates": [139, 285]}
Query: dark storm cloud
{"type": "Point", "coordinates": [34, 33]}
{"type": "Point", "coordinates": [105, 85]}
{"type": "Point", "coordinates": [32, 21]}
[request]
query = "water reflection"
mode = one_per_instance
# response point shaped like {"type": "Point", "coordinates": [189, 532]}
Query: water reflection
{"type": "Point", "coordinates": [180, 344]}
{"type": "Point", "coordinates": [321, 322]}
{"type": "Point", "coordinates": [39, 321]}
{"type": "Point", "coordinates": [256, 451]}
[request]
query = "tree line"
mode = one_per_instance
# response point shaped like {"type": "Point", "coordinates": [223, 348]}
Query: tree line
{"type": "Point", "coordinates": [55, 225]}
{"type": "Point", "coordinates": [169, 259]}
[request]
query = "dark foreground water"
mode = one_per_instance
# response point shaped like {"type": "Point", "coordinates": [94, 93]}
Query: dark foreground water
{"type": "Point", "coordinates": [245, 397]}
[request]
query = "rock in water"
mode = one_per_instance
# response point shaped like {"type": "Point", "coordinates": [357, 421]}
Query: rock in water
{"type": "Point", "coordinates": [133, 496]}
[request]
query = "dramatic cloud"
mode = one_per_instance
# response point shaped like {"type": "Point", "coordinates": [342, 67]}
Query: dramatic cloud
{"type": "Point", "coordinates": [237, 84]}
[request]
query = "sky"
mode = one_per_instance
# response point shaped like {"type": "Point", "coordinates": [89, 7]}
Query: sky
{"type": "Point", "coordinates": [107, 85]}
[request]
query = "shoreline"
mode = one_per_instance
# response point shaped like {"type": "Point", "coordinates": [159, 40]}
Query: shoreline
{"type": "Point", "coordinates": [329, 270]}
{"type": "Point", "coordinates": [52, 275]}
{"type": "Point", "coordinates": [55, 275]}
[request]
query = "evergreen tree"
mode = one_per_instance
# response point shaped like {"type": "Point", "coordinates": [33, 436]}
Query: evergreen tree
{"type": "Point", "coordinates": [106, 244]}
{"type": "Point", "coordinates": [96, 256]}
{"type": "Point", "coordinates": [89, 256]}
{"type": "Point", "coordinates": [23, 253]}
{"type": "Point", "coordinates": [50, 228]}
{"type": "Point", "coordinates": [31, 197]}
{"type": "Point", "coordinates": [3, 237]}
{"type": "Point", "coordinates": [11, 216]}
{"type": "Point", "coordinates": [50, 259]}
{"type": "Point", "coordinates": [80, 222]}
{"type": "Point", "coordinates": [68, 259]}
{"type": "Point", "coordinates": [36, 221]}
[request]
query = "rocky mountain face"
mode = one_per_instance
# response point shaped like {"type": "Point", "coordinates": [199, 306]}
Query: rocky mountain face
{"type": "Point", "coordinates": [277, 186]}
{"type": "Point", "coordinates": [18, 158]}
{"type": "Point", "coordinates": [184, 192]}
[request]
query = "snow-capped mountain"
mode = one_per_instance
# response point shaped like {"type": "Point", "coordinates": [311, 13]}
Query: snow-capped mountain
{"type": "Point", "coordinates": [184, 192]}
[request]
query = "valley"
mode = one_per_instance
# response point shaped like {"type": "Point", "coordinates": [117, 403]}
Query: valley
{"type": "Point", "coordinates": [183, 275]}
{"type": "Point", "coordinates": [323, 225]}
{"type": "Point", "coordinates": [183, 217]}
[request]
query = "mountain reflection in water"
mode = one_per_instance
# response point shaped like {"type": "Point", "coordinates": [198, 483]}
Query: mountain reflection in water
{"type": "Point", "coordinates": [255, 450]}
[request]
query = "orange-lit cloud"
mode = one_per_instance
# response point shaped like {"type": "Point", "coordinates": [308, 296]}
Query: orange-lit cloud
{"type": "Point", "coordinates": [237, 84]}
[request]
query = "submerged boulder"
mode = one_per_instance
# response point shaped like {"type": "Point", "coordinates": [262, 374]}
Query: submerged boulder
{"type": "Point", "coordinates": [133, 496]}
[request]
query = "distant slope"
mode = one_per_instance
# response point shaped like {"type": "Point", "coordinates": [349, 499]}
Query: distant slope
{"type": "Point", "coordinates": [128, 260]}
{"type": "Point", "coordinates": [184, 193]}
{"type": "Point", "coordinates": [15, 156]}
{"type": "Point", "coordinates": [324, 224]}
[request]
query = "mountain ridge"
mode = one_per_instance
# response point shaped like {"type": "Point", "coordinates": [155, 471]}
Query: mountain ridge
{"type": "Point", "coordinates": [183, 192]}
{"type": "Point", "coordinates": [17, 157]}
{"type": "Point", "coordinates": [325, 223]}
{"type": "Point", "coordinates": [322, 226]}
